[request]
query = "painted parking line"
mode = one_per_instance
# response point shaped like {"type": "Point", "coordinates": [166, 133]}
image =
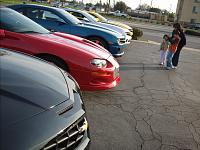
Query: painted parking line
{"type": "Point", "coordinates": [157, 43]}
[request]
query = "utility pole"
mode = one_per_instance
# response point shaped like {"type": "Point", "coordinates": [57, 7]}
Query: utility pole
{"type": "Point", "coordinates": [108, 5]}
{"type": "Point", "coordinates": [151, 3]}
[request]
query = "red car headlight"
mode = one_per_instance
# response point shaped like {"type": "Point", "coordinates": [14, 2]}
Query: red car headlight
{"type": "Point", "coordinates": [100, 63]}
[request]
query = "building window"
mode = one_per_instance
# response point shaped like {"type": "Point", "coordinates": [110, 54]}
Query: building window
{"type": "Point", "coordinates": [197, 1]}
{"type": "Point", "coordinates": [194, 10]}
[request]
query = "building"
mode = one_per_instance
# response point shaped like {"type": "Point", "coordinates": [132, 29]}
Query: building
{"type": "Point", "coordinates": [188, 11]}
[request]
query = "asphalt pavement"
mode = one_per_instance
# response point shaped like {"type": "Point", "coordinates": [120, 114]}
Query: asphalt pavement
{"type": "Point", "coordinates": [152, 108]}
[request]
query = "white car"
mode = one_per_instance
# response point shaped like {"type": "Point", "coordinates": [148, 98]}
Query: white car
{"type": "Point", "coordinates": [118, 13]}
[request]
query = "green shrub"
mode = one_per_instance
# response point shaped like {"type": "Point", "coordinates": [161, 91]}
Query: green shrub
{"type": "Point", "coordinates": [192, 32]}
{"type": "Point", "coordinates": [137, 33]}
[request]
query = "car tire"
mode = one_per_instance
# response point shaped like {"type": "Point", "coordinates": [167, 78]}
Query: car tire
{"type": "Point", "coordinates": [55, 60]}
{"type": "Point", "coordinates": [99, 41]}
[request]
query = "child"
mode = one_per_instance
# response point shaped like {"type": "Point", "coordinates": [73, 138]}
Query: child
{"type": "Point", "coordinates": [174, 41]}
{"type": "Point", "coordinates": [163, 48]}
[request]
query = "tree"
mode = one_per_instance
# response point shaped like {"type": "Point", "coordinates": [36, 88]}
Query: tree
{"type": "Point", "coordinates": [165, 12]}
{"type": "Point", "coordinates": [156, 10]}
{"type": "Point", "coordinates": [89, 4]}
{"type": "Point", "coordinates": [62, 2]}
{"type": "Point", "coordinates": [98, 5]}
{"type": "Point", "coordinates": [106, 7]}
{"type": "Point", "coordinates": [121, 6]}
{"type": "Point", "coordinates": [143, 7]}
{"type": "Point", "coordinates": [171, 16]}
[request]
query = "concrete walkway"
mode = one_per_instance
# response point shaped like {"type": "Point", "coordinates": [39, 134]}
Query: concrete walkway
{"type": "Point", "coordinates": [152, 108]}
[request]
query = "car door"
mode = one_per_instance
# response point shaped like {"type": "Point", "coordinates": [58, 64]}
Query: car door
{"type": "Point", "coordinates": [48, 19]}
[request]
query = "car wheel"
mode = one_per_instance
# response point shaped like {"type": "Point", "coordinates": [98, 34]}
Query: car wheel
{"type": "Point", "coordinates": [55, 60]}
{"type": "Point", "coordinates": [99, 41]}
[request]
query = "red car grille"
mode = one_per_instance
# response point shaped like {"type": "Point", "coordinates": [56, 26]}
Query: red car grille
{"type": "Point", "coordinates": [69, 139]}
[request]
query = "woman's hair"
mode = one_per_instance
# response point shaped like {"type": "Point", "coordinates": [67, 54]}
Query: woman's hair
{"type": "Point", "coordinates": [165, 35]}
{"type": "Point", "coordinates": [177, 26]}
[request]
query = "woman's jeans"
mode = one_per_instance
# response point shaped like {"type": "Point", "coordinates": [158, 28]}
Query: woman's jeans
{"type": "Point", "coordinates": [169, 59]}
{"type": "Point", "coordinates": [175, 58]}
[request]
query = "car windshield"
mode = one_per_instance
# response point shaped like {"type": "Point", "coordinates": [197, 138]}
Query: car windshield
{"type": "Point", "coordinates": [15, 22]}
{"type": "Point", "coordinates": [89, 16]}
{"type": "Point", "coordinates": [101, 17]}
{"type": "Point", "coordinates": [70, 17]}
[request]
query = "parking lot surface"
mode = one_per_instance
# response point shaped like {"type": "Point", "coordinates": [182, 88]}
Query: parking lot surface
{"type": "Point", "coordinates": [152, 108]}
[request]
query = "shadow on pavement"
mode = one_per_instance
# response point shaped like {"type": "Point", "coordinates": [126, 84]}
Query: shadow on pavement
{"type": "Point", "coordinates": [140, 66]}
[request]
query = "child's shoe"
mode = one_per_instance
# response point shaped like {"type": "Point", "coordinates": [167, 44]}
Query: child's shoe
{"type": "Point", "coordinates": [161, 64]}
{"type": "Point", "coordinates": [168, 68]}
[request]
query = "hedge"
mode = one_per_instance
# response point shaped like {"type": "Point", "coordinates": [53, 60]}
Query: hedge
{"type": "Point", "coordinates": [192, 32]}
{"type": "Point", "coordinates": [137, 33]}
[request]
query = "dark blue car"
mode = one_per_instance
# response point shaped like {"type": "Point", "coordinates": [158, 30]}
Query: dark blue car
{"type": "Point", "coordinates": [56, 19]}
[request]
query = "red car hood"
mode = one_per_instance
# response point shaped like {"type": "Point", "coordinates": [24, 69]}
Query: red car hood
{"type": "Point", "coordinates": [76, 42]}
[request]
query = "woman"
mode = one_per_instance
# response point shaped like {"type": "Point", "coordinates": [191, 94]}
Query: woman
{"type": "Point", "coordinates": [182, 43]}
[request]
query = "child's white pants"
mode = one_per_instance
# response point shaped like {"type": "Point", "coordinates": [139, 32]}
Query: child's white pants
{"type": "Point", "coordinates": [162, 56]}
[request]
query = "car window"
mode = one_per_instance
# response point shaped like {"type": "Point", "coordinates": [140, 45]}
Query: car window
{"type": "Point", "coordinates": [43, 14]}
{"type": "Point", "coordinates": [21, 11]}
{"type": "Point", "coordinates": [19, 23]}
{"type": "Point", "coordinates": [78, 15]}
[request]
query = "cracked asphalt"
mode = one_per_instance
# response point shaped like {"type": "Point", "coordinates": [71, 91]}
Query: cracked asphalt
{"type": "Point", "coordinates": [152, 108]}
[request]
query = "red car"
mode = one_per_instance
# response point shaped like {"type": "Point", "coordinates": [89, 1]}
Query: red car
{"type": "Point", "coordinates": [91, 65]}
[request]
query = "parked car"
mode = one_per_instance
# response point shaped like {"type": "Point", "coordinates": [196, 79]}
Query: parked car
{"type": "Point", "coordinates": [100, 18]}
{"type": "Point", "coordinates": [195, 26]}
{"type": "Point", "coordinates": [57, 19]}
{"type": "Point", "coordinates": [41, 106]}
{"type": "Point", "coordinates": [118, 13]}
{"type": "Point", "coordinates": [88, 19]}
{"type": "Point", "coordinates": [91, 65]}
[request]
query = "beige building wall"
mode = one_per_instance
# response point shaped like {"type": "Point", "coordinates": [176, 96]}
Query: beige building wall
{"type": "Point", "coordinates": [188, 11]}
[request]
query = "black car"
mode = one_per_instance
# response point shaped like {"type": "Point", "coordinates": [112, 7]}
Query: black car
{"type": "Point", "coordinates": [195, 26]}
{"type": "Point", "coordinates": [40, 106]}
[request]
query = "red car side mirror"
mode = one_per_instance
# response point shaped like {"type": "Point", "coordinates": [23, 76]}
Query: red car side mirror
{"type": "Point", "coordinates": [2, 33]}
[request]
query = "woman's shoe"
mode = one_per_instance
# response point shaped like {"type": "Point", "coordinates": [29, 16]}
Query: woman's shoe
{"type": "Point", "coordinates": [174, 67]}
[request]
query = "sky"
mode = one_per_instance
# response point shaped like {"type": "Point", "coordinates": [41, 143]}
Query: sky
{"type": "Point", "coordinates": [169, 5]}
